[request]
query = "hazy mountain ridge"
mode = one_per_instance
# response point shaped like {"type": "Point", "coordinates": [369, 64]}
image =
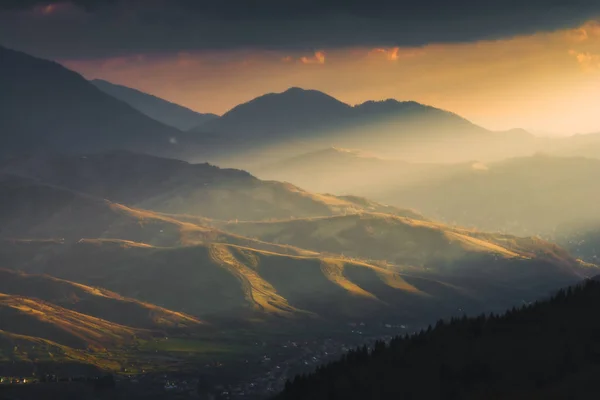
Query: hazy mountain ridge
{"type": "Point", "coordinates": [525, 195]}
{"type": "Point", "coordinates": [297, 121]}
{"type": "Point", "coordinates": [46, 107]}
{"type": "Point", "coordinates": [177, 187]}
{"type": "Point", "coordinates": [352, 171]}
{"type": "Point", "coordinates": [154, 107]}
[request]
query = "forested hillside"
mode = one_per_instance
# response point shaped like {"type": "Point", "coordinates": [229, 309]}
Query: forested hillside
{"type": "Point", "coordinates": [549, 349]}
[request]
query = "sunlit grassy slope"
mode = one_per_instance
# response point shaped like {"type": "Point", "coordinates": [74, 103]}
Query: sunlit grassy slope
{"type": "Point", "coordinates": [92, 301]}
{"type": "Point", "coordinates": [20, 354]}
{"type": "Point", "coordinates": [399, 240]}
{"type": "Point", "coordinates": [223, 281]}
{"type": "Point", "coordinates": [58, 325]}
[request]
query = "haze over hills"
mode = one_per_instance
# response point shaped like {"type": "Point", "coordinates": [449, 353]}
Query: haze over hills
{"type": "Point", "coordinates": [525, 195]}
{"type": "Point", "coordinates": [133, 246]}
{"type": "Point", "coordinates": [46, 107]}
{"type": "Point", "coordinates": [340, 170]}
{"type": "Point", "coordinates": [174, 186]}
{"type": "Point", "coordinates": [154, 107]}
{"type": "Point", "coordinates": [352, 260]}
{"type": "Point", "coordinates": [122, 236]}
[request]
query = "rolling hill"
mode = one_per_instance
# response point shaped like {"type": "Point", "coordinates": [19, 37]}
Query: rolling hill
{"type": "Point", "coordinates": [154, 107]}
{"type": "Point", "coordinates": [50, 325]}
{"type": "Point", "coordinates": [425, 247]}
{"type": "Point", "coordinates": [222, 282]}
{"type": "Point", "coordinates": [95, 269]}
{"type": "Point", "coordinates": [93, 302]}
{"type": "Point", "coordinates": [45, 107]}
{"type": "Point", "coordinates": [176, 187]}
{"type": "Point", "coordinates": [33, 210]}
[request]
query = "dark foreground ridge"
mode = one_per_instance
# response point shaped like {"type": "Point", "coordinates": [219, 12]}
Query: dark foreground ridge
{"type": "Point", "coordinates": [548, 349]}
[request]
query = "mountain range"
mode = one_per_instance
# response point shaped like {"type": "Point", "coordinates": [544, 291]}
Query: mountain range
{"type": "Point", "coordinates": [45, 107]}
{"type": "Point", "coordinates": [299, 120]}
{"type": "Point", "coordinates": [154, 107]}
{"type": "Point", "coordinates": [122, 249]}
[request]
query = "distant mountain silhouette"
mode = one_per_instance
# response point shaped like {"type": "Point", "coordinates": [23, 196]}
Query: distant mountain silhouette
{"type": "Point", "coordinates": [280, 113]}
{"type": "Point", "coordinates": [299, 120]}
{"type": "Point", "coordinates": [45, 107]}
{"type": "Point", "coordinates": [298, 109]}
{"type": "Point", "coordinates": [156, 108]}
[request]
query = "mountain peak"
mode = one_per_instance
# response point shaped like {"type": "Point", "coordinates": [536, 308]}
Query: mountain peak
{"type": "Point", "coordinates": [296, 89]}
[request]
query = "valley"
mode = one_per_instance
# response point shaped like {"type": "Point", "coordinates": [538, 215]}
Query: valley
{"type": "Point", "coordinates": [148, 250]}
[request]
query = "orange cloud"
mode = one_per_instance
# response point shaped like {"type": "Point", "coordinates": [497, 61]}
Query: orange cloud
{"type": "Point", "coordinates": [395, 53]}
{"type": "Point", "coordinates": [391, 54]}
{"type": "Point", "coordinates": [589, 30]}
{"type": "Point", "coordinates": [318, 58]}
{"type": "Point", "coordinates": [287, 59]}
{"type": "Point", "coordinates": [577, 35]}
{"type": "Point", "coordinates": [587, 60]}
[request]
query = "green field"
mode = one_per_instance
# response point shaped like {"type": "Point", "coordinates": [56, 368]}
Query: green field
{"type": "Point", "coordinates": [178, 345]}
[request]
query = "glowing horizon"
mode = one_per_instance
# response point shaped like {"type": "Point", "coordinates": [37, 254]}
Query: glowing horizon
{"type": "Point", "coordinates": [545, 82]}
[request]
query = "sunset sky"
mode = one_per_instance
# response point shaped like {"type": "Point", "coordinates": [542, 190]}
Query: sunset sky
{"type": "Point", "coordinates": [535, 67]}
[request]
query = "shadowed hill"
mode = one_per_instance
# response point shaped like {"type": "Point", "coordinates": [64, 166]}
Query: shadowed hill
{"type": "Point", "coordinates": [154, 107]}
{"type": "Point", "coordinates": [33, 210]}
{"type": "Point", "coordinates": [177, 187]}
{"type": "Point", "coordinates": [279, 113]}
{"type": "Point", "coordinates": [46, 107]}
{"type": "Point", "coordinates": [549, 349]}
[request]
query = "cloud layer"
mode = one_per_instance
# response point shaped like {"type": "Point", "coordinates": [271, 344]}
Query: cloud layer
{"type": "Point", "coordinates": [101, 28]}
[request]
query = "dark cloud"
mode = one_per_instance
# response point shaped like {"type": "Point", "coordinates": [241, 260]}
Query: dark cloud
{"type": "Point", "coordinates": [90, 28]}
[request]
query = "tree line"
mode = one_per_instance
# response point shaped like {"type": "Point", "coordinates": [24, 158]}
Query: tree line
{"type": "Point", "coordinates": [539, 350]}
